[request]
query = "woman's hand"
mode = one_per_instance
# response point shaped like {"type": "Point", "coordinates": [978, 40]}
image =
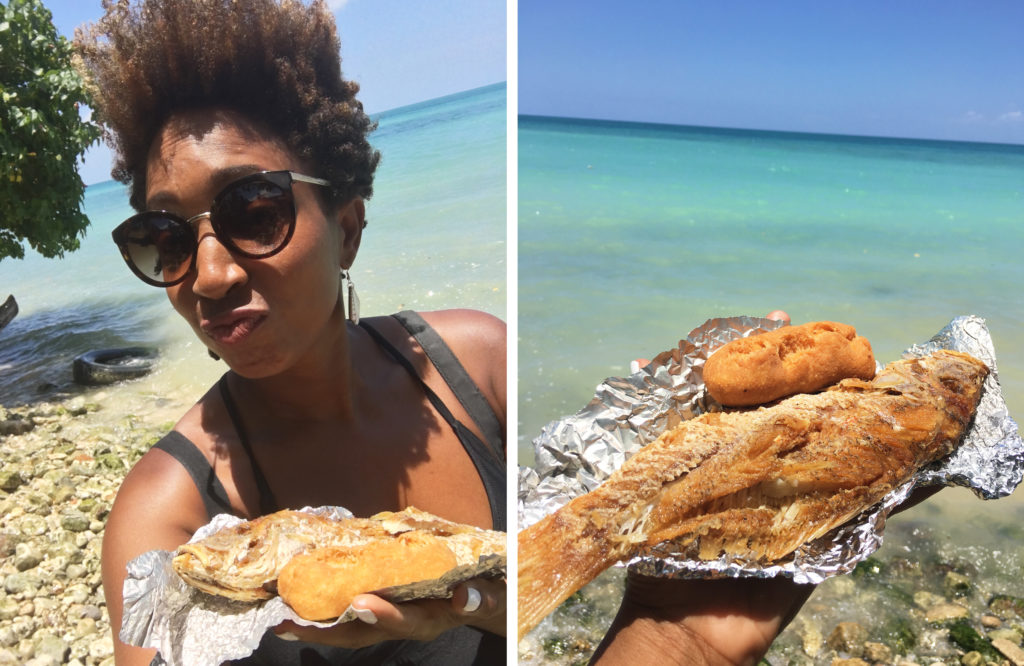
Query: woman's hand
{"type": "Point", "coordinates": [720, 622]}
{"type": "Point", "coordinates": [479, 603]}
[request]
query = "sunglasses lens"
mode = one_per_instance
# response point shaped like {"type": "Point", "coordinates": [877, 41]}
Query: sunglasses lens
{"type": "Point", "coordinates": [159, 247]}
{"type": "Point", "coordinates": [256, 216]}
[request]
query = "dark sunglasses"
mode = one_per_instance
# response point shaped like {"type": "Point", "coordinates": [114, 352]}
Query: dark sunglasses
{"type": "Point", "coordinates": [253, 217]}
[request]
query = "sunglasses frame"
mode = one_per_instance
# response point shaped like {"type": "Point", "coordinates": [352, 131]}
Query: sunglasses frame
{"type": "Point", "coordinates": [282, 179]}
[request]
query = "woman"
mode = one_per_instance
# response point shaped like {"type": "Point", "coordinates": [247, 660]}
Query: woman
{"type": "Point", "coordinates": [246, 155]}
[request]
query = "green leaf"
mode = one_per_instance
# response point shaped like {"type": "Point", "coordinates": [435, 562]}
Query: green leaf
{"type": "Point", "coordinates": [42, 137]}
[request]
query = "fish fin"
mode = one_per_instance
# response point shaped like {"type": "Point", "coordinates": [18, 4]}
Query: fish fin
{"type": "Point", "coordinates": [557, 556]}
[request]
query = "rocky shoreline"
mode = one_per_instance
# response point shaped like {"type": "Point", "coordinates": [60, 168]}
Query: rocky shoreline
{"type": "Point", "coordinates": [949, 604]}
{"type": "Point", "coordinates": [63, 462]}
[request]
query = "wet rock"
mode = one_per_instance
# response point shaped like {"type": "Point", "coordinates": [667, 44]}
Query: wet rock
{"type": "Point", "coordinates": [43, 660]}
{"type": "Point", "coordinates": [946, 612]}
{"type": "Point", "coordinates": [74, 521]}
{"type": "Point", "coordinates": [848, 637]}
{"type": "Point", "coordinates": [877, 653]}
{"type": "Point", "coordinates": [11, 480]}
{"type": "Point", "coordinates": [26, 556]}
{"type": "Point", "coordinates": [849, 662]}
{"type": "Point", "coordinates": [110, 461]}
{"type": "Point", "coordinates": [1006, 606]}
{"type": "Point", "coordinates": [1011, 635]}
{"type": "Point", "coordinates": [85, 627]}
{"type": "Point", "coordinates": [101, 648]}
{"type": "Point", "coordinates": [956, 585]}
{"type": "Point", "coordinates": [75, 571]}
{"type": "Point", "coordinates": [32, 525]}
{"type": "Point", "coordinates": [991, 621]}
{"type": "Point", "coordinates": [925, 600]}
{"type": "Point", "coordinates": [78, 593]}
{"type": "Point", "coordinates": [91, 612]}
{"type": "Point", "coordinates": [20, 583]}
{"type": "Point", "coordinates": [973, 659]}
{"type": "Point", "coordinates": [62, 493]}
{"type": "Point", "coordinates": [811, 638]}
{"type": "Point", "coordinates": [53, 647]}
{"type": "Point", "coordinates": [8, 611]}
{"type": "Point", "coordinates": [1012, 652]}
{"type": "Point", "coordinates": [16, 426]}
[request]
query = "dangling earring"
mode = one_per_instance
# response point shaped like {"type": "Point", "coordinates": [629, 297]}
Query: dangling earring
{"type": "Point", "coordinates": [213, 354]}
{"type": "Point", "coordinates": [353, 299]}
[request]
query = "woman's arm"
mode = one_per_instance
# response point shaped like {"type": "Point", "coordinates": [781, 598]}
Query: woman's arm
{"type": "Point", "coordinates": [157, 508]}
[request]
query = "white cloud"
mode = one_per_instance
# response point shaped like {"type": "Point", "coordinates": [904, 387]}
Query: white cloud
{"type": "Point", "coordinates": [972, 117]}
{"type": "Point", "coordinates": [335, 5]}
{"type": "Point", "coordinates": [1012, 117]}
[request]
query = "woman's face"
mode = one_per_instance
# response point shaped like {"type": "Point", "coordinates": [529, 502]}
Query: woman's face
{"type": "Point", "coordinates": [262, 316]}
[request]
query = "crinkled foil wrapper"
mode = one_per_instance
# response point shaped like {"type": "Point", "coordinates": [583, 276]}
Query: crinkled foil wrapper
{"type": "Point", "coordinates": [193, 628]}
{"type": "Point", "coordinates": [573, 455]}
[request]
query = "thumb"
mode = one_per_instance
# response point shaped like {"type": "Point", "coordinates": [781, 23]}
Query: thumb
{"type": "Point", "coordinates": [467, 599]}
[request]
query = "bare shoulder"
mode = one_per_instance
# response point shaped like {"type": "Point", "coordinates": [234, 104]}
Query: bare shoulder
{"type": "Point", "coordinates": [469, 331]}
{"type": "Point", "coordinates": [479, 341]}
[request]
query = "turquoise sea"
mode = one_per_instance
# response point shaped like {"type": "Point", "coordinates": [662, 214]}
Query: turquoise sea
{"type": "Point", "coordinates": [436, 239]}
{"type": "Point", "coordinates": [631, 235]}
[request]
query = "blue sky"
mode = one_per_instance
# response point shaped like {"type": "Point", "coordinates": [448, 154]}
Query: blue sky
{"type": "Point", "coordinates": [937, 69]}
{"type": "Point", "coordinates": [400, 51]}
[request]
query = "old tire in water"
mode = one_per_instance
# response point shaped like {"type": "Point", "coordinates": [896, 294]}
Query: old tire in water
{"type": "Point", "coordinates": [106, 366]}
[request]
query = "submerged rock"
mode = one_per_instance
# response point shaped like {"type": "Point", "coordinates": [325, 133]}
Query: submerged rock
{"type": "Point", "coordinates": [848, 637]}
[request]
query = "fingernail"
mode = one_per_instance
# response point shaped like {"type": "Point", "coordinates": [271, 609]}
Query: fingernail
{"type": "Point", "coordinates": [287, 636]}
{"type": "Point", "coordinates": [634, 367]}
{"type": "Point", "coordinates": [366, 615]}
{"type": "Point", "coordinates": [472, 600]}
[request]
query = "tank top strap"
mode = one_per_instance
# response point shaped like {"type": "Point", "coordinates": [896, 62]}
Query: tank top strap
{"type": "Point", "coordinates": [455, 375]}
{"type": "Point", "coordinates": [184, 450]}
{"type": "Point", "coordinates": [268, 503]}
{"type": "Point", "coordinates": [489, 466]}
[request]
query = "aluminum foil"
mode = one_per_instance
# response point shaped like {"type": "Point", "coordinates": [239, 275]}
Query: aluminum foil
{"type": "Point", "coordinates": [575, 454]}
{"type": "Point", "coordinates": [188, 626]}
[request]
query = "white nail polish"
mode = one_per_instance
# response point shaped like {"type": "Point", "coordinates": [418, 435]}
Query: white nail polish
{"type": "Point", "coordinates": [366, 615]}
{"type": "Point", "coordinates": [288, 636]}
{"type": "Point", "coordinates": [634, 367]}
{"type": "Point", "coordinates": [472, 600]}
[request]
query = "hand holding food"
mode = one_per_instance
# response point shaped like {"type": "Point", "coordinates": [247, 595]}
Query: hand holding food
{"type": "Point", "coordinates": [318, 565]}
{"type": "Point", "coordinates": [755, 483]}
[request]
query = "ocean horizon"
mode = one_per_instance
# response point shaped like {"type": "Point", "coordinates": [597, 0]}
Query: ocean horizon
{"type": "Point", "coordinates": [598, 123]}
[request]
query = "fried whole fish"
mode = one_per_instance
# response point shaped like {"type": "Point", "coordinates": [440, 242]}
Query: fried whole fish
{"type": "Point", "coordinates": [244, 562]}
{"type": "Point", "coordinates": [757, 483]}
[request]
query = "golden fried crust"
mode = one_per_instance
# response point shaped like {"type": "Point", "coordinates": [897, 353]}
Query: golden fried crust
{"type": "Point", "coordinates": [320, 584]}
{"type": "Point", "coordinates": [756, 483]}
{"type": "Point", "coordinates": [788, 360]}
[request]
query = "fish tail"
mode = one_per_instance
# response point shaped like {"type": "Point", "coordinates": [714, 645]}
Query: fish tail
{"type": "Point", "coordinates": [556, 558]}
